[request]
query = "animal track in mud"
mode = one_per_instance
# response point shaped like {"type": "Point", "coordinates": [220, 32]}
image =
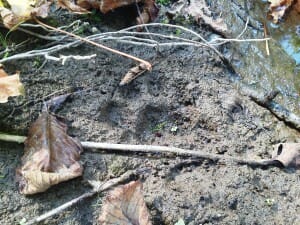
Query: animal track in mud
{"type": "Point", "coordinates": [148, 118]}
{"type": "Point", "coordinates": [112, 113]}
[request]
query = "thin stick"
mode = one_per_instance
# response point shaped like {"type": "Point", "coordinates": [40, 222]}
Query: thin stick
{"type": "Point", "coordinates": [96, 146]}
{"type": "Point", "coordinates": [12, 138]}
{"type": "Point", "coordinates": [266, 100]}
{"type": "Point", "coordinates": [148, 65]}
{"type": "Point", "coordinates": [96, 189]}
{"type": "Point", "coordinates": [153, 149]}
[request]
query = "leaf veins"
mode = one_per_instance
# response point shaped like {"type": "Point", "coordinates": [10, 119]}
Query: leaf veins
{"type": "Point", "coordinates": [51, 156]}
{"type": "Point", "coordinates": [125, 205]}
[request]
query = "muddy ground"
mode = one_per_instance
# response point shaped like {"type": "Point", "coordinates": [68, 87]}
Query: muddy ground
{"type": "Point", "coordinates": [187, 101]}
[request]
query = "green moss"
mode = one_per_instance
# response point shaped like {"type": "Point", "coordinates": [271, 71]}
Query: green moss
{"type": "Point", "coordinates": [163, 2]}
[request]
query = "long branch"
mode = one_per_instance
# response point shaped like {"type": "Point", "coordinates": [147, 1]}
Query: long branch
{"type": "Point", "coordinates": [148, 65]}
{"type": "Point", "coordinates": [153, 149]}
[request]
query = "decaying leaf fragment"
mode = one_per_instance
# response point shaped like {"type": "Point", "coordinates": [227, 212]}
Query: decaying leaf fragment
{"type": "Point", "coordinates": [133, 73]}
{"type": "Point", "coordinates": [288, 154]}
{"type": "Point", "coordinates": [51, 156]}
{"type": "Point", "coordinates": [148, 14]}
{"type": "Point", "coordinates": [125, 205]}
{"type": "Point", "coordinates": [9, 85]}
{"type": "Point", "coordinates": [278, 8]}
{"type": "Point", "coordinates": [19, 11]}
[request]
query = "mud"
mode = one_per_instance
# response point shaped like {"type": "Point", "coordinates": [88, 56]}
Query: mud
{"type": "Point", "coordinates": [186, 101]}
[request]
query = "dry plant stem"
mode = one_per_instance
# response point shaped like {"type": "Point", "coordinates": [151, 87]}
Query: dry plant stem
{"type": "Point", "coordinates": [267, 101]}
{"type": "Point", "coordinates": [129, 39]}
{"type": "Point", "coordinates": [148, 65]}
{"type": "Point", "coordinates": [107, 185]}
{"type": "Point", "coordinates": [12, 138]}
{"type": "Point", "coordinates": [96, 146]}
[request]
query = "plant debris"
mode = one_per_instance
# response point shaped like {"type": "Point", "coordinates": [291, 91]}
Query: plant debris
{"type": "Point", "coordinates": [148, 14]}
{"type": "Point", "coordinates": [278, 8]}
{"type": "Point", "coordinates": [288, 154]}
{"type": "Point", "coordinates": [133, 73]}
{"type": "Point", "coordinates": [9, 85]}
{"type": "Point", "coordinates": [125, 205]}
{"type": "Point", "coordinates": [51, 156]}
{"type": "Point", "coordinates": [19, 11]}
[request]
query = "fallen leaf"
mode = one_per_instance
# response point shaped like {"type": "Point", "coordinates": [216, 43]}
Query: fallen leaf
{"type": "Point", "coordinates": [297, 6]}
{"type": "Point", "coordinates": [288, 154]}
{"type": "Point", "coordinates": [51, 156]}
{"type": "Point", "coordinates": [71, 6]}
{"type": "Point", "coordinates": [20, 11]}
{"type": "Point", "coordinates": [125, 205]}
{"type": "Point", "coordinates": [133, 73]}
{"type": "Point", "coordinates": [278, 8]}
{"type": "Point", "coordinates": [9, 85]}
{"type": "Point", "coordinates": [149, 12]}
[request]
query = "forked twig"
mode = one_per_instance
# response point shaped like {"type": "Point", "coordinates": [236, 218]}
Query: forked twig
{"type": "Point", "coordinates": [147, 64]}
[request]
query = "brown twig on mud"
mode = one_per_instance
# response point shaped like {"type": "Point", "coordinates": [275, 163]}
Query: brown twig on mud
{"type": "Point", "coordinates": [148, 65]}
{"type": "Point", "coordinates": [97, 188]}
{"type": "Point", "coordinates": [97, 146]}
{"type": "Point", "coordinates": [266, 100]}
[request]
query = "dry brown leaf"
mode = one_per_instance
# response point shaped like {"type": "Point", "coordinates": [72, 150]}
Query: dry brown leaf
{"type": "Point", "coordinates": [71, 6]}
{"type": "Point", "coordinates": [297, 6]}
{"type": "Point", "coordinates": [20, 11]}
{"type": "Point", "coordinates": [51, 156]}
{"type": "Point", "coordinates": [149, 12]}
{"type": "Point", "coordinates": [278, 8]}
{"type": "Point", "coordinates": [133, 73]}
{"type": "Point", "coordinates": [125, 205]}
{"type": "Point", "coordinates": [9, 85]}
{"type": "Point", "coordinates": [288, 154]}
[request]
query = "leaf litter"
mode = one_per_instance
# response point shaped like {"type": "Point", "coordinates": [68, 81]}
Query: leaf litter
{"type": "Point", "coordinates": [51, 156]}
{"type": "Point", "coordinates": [9, 85]}
{"type": "Point", "coordinates": [125, 205]}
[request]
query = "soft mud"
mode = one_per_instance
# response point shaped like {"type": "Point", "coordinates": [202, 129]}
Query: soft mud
{"type": "Point", "coordinates": [186, 101]}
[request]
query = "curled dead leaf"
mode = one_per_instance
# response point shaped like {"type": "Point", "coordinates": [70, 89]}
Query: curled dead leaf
{"type": "Point", "coordinates": [20, 11]}
{"type": "Point", "coordinates": [288, 154]}
{"type": "Point", "coordinates": [148, 14]}
{"type": "Point", "coordinates": [9, 85]}
{"type": "Point", "coordinates": [125, 205]}
{"type": "Point", "coordinates": [51, 156]}
{"type": "Point", "coordinates": [71, 6]}
{"type": "Point", "coordinates": [278, 8]}
{"type": "Point", "coordinates": [133, 73]}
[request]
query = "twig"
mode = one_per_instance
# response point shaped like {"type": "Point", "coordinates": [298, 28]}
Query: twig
{"type": "Point", "coordinates": [266, 100]}
{"type": "Point", "coordinates": [96, 189]}
{"type": "Point", "coordinates": [96, 44]}
{"type": "Point", "coordinates": [96, 146]}
{"type": "Point", "coordinates": [12, 138]}
{"type": "Point", "coordinates": [64, 58]}
{"type": "Point", "coordinates": [130, 38]}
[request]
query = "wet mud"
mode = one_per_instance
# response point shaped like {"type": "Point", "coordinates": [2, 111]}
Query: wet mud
{"type": "Point", "coordinates": [188, 101]}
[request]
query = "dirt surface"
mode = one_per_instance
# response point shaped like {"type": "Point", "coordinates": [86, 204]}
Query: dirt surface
{"type": "Point", "coordinates": [186, 101]}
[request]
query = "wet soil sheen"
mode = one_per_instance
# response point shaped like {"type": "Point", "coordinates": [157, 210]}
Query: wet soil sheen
{"type": "Point", "coordinates": [186, 101]}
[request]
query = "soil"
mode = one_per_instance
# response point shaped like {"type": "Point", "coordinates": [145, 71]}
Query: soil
{"type": "Point", "coordinates": [187, 101]}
